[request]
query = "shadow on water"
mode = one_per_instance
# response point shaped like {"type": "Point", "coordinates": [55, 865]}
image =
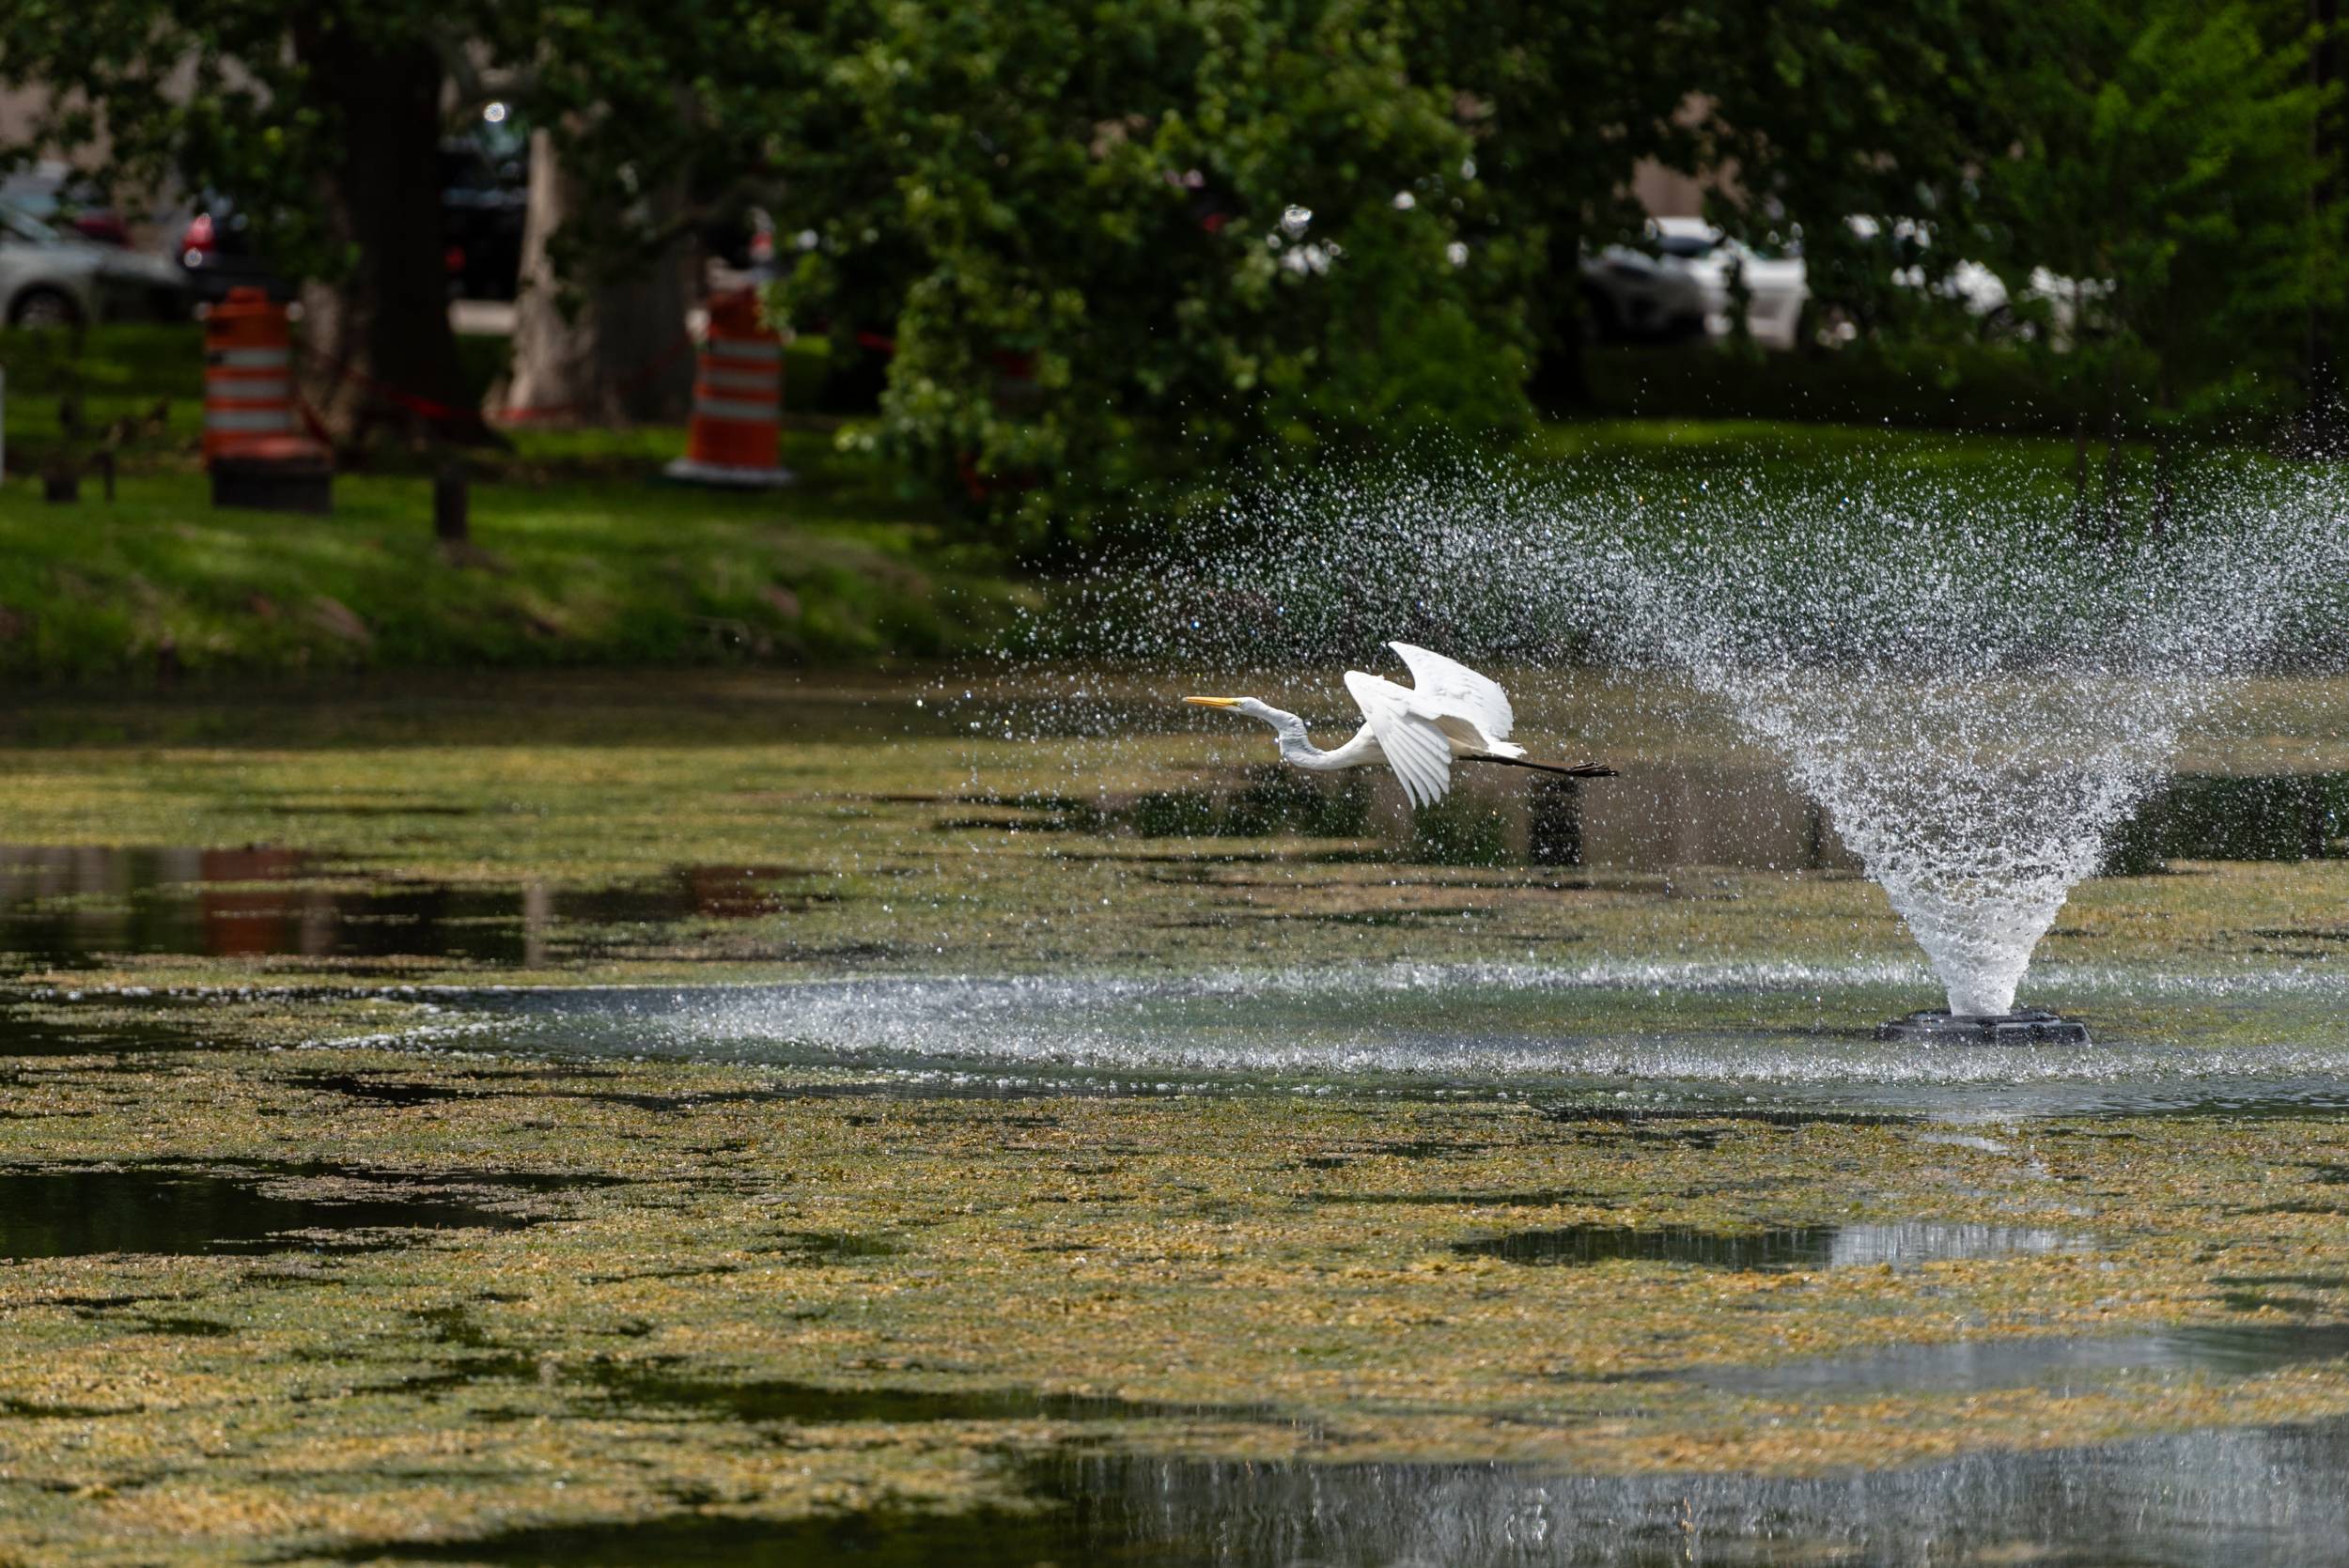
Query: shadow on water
{"type": "Point", "coordinates": [1653, 818]}
{"type": "Point", "coordinates": [2250, 1497]}
{"type": "Point", "coordinates": [177, 1212]}
{"type": "Point", "coordinates": [1895, 1246]}
{"type": "Point", "coordinates": [637, 1389]}
{"type": "Point", "coordinates": [64, 907]}
{"type": "Point", "coordinates": [30, 1028]}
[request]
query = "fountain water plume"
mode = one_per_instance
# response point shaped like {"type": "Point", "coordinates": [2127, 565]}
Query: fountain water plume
{"type": "Point", "coordinates": [1977, 696]}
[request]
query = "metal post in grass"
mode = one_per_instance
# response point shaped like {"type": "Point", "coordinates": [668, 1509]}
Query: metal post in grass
{"type": "Point", "coordinates": [451, 504]}
{"type": "Point", "coordinates": [61, 482]}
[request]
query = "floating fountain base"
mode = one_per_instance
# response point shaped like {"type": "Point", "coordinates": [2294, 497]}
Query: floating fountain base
{"type": "Point", "coordinates": [1939, 1028]}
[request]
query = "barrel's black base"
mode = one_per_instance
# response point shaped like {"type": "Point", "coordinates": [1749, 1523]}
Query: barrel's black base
{"type": "Point", "coordinates": [273, 487]}
{"type": "Point", "coordinates": [1937, 1028]}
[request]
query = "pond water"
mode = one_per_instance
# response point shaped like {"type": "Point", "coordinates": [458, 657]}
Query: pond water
{"type": "Point", "coordinates": [1584, 1032]}
{"type": "Point", "coordinates": [1811, 1246]}
{"type": "Point", "coordinates": [1693, 1038]}
{"type": "Point", "coordinates": [2259, 1497]}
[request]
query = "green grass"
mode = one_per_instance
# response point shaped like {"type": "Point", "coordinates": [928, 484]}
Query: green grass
{"type": "Point", "coordinates": [585, 561]}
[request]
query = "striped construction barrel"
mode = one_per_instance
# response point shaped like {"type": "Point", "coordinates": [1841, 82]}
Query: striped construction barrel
{"type": "Point", "coordinates": [736, 434]}
{"type": "Point", "coordinates": [248, 375]}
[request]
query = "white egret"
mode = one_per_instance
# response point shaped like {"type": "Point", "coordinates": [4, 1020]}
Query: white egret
{"type": "Point", "coordinates": [1448, 712]}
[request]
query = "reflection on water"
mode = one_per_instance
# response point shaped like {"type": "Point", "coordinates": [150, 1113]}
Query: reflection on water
{"type": "Point", "coordinates": [63, 905]}
{"type": "Point", "coordinates": [1649, 819]}
{"type": "Point", "coordinates": [2059, 1363]}
{"type": "Point", "coordinates": [1655, 817]}
{"type": "Point", "coordinates": [66, 906]}
{"type": "Point", "coordinates": [2255, 1498]}
{"type": "Point", "coordinates": [2291, 816]}
{"type": "Point", "coordinates": [1901, 1245]}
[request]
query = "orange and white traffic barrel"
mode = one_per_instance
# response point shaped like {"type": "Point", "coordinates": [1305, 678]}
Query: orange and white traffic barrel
{"type": "Point", "coordinates": [737, 435]}
{"type": "Point", "coordinates": [257, 456]}
{"type": "Point", "coordinates": [248, 374]}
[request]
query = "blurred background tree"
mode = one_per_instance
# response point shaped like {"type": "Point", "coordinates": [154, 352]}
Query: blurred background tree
{"type": "Point", "coordinates": [1110, 251]}
{"type": "Point", "coordinates": [1079, 264]}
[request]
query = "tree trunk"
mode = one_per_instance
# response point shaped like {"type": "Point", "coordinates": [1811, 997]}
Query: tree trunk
{"type": "Point", "coordinates": [2321, 418]}
{"type": "Point", "coordinates": [1561, 325]}
{"type": "Point", "coordinates": [611, 351]}
{"type": "Point", "coordinates": [379, 351]}
{"type": "Point", "coordinates": [2116, 494]}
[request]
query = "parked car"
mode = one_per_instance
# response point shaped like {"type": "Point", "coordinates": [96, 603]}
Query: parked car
{"type": "Point", "coordinates": [52, 193]}
{"type": "Point", "coordinates": [485, 194]}
{"type": "Point", "coordinates": [1772, 278]}
{"type": "Point", "coordinates": [1683, 285]}
{"type": "Point", "coordinates": [1634, 296]}
{"type": "Point", "coordinates": [50, 279]}
{"type": "Point", "coordinates": [217, 254]}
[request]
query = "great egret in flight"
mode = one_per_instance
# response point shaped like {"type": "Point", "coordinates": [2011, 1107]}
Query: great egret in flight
{"type": "Point", "coordinates": [1449, 711]}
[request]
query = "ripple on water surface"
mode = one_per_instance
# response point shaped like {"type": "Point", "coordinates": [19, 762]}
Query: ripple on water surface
{"type": "Point", "coordinates": [1696, 1036]}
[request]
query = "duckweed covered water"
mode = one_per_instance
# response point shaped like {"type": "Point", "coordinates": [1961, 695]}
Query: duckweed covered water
{"type": "Point", "coordinates": [987, 1221]}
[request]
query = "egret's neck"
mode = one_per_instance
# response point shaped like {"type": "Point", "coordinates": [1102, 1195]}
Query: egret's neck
{"type": "Point", "coordinates": [1298, 750]}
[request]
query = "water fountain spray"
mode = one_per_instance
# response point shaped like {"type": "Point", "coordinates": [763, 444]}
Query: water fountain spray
{"type": "Point", "coordinates": [1976, 695]}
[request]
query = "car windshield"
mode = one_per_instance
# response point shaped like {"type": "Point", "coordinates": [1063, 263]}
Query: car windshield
{"type": "Point", "coordinates": [17, 223]}
{"type": "Point", "coordinates": [1688, 246]}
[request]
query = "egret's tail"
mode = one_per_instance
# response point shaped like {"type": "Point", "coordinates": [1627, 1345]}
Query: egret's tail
{"type": "Point", "coordinates": [1578, 770]}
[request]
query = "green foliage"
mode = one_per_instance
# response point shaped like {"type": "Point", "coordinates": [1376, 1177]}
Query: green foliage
{"type": "Point", "coordinates": [2171, 154]}
{"type": "Point", "coordinates": [1078, 218]}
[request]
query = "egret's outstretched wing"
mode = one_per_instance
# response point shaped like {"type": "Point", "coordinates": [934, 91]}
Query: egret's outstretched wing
{"type": "Point", "coordinates": [1450, 687]}
{"type": "Point", "coordinates": [1415, 748]}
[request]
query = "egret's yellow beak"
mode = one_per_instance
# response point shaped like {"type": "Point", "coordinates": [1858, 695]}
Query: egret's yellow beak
{"type": "Point", "coordinates": [1214, 702]}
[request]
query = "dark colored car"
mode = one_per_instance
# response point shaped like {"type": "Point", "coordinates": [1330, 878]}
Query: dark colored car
{"type": "Point", "coordinates": [485, 196]}
{"type": "Point", "coordinates": [217, 254]}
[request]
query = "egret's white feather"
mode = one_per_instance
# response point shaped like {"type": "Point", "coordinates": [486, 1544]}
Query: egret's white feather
{"type": "Point", "coordinates": [1448, 688]}
{"type": "Point", "coordinates": [1471, 709]}
{"type": "Point", "coordinates": [1414, 745]}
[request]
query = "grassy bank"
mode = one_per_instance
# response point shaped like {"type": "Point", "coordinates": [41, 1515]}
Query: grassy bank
{"type": "Point", "coordinates": [578, 558]}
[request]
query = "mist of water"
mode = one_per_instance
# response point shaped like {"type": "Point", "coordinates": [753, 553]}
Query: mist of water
{"type": "Point", "coordinates": [1976, 695]}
